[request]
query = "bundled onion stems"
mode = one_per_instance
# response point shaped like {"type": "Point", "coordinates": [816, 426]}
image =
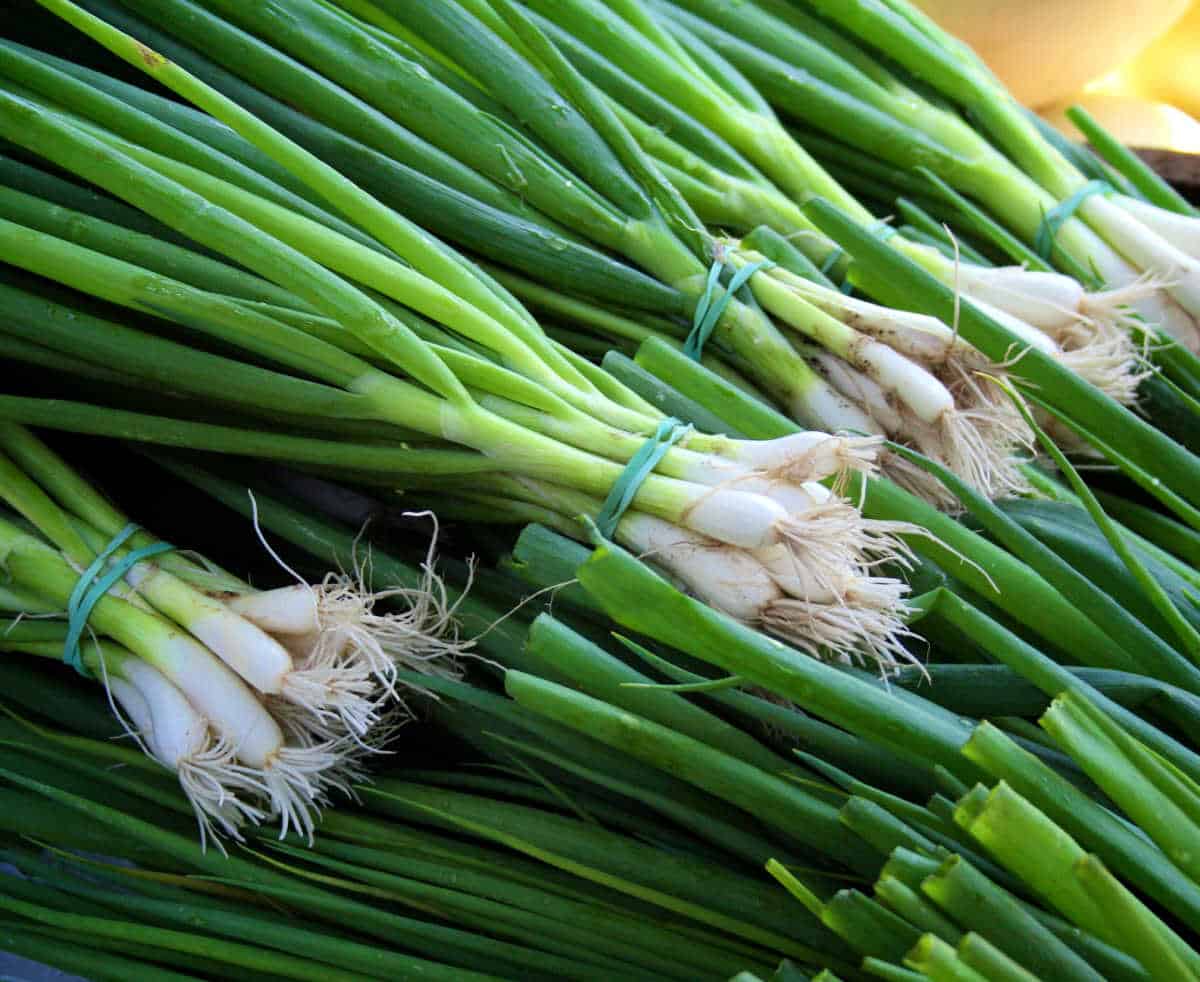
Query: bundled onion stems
{"type": "Point", "coordinates": [400, 331]}
{"type": "Point", "coordinates": [587, 178]}
{"type": "Point", "coordinates": [831, 68]}
{"type": "Point", "coordinates": [686, 99]}
{"type": "Point", "coordinates": [822, 592]}
{"type": "Point", "coordinates": [262, 702]}
{"type": "Point", "coordinates": [984, 843]}
{"type": "Point", "coordinates": [674, 71]}
{"type": "Point", "coordinates": [682, 117]}
{"type": "Point", "coordinates": [224, 792]}
{"type": "Point", "coordinates": [1145, 236]}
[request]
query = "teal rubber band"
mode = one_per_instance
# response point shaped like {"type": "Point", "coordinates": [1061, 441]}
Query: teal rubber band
{"type": "Point", "coordinates": [88, 590]}
{"type": "Point", "coordinates": [1058, 216]}
{"type": "Point", "coordinates": [641, 465]}
{"type": "Point", "coordinates": [832, 260]}
{"type": "Point", "coordinates": [883, 230]}
{"type": "Point", "coordinates": [711, 307]}
{"type": "Point", "coordinates": [693, 347]}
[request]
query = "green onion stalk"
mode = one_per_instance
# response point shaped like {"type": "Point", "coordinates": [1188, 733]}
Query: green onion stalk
{"type": "Point", "coordinates": [262, 702]}
{"type": "Point", "coordinates": [612, 195]}
{"type": "Point", "coordinates": [507, 888]}
{"type": "Point", "coordinates": [823, 64]}
{"type": "Point", "coordinates": [482, 374]}
{"type": "Point", "coordinates": [720, 143]}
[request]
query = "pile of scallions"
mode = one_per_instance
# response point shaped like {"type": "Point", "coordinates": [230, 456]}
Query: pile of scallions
{"type": "Point", "coordinates": [379, 333]}
{"type": "Point", "coordinates": [624, 808]}
{"type": "Point", "coordinates": [809, 437]}
{"type": "Point", "coordinates": [588, 179]}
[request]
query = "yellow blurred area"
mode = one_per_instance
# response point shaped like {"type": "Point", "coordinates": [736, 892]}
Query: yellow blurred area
{"type": "Point", "coordinates": [1133, 64]}
{"type": "Point", "coordinates": [1137, 122]}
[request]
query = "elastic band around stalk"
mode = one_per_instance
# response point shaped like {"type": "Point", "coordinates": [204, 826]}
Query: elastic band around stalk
{"type": "Point", "coordinates": [89, 590]}
{"type": "Point", "coordinates": [710, 308]}
{"type": "Point", "coordinates": [1058, 216]}
{"type": "Point", "coordinates": [670, 431]}
{"type": "Point", "coordinates": [832, 260]}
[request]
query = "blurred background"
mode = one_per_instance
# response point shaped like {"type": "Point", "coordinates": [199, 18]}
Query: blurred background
{"type": "Point", "coordinates": [1133, 64]}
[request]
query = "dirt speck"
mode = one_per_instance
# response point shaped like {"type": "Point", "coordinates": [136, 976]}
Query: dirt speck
{"type": "Point", "coordinates": [151, 57]}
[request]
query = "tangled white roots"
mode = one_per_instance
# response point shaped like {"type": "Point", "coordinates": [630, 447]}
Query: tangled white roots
{"type": "Point", "coordinates": [418, 635]}
{"type": "Point", "coordinates": [838, 456]}
{"type": "Point", "coordinates": [336, 694]}
{"type": "Point", "coordinates": [1111, 361]}
{"type": "Point", "coordinates": [296, 782]}
{"type": "Point", "coordinates": [342, 700]}
{"type": "Point", "coordinates": [983, 441]}
{"type": "Point", "coordinates": [218, 791]}
{"type": "Point", "coordinates": [1108, 344]}
{"type": "Point", "coordinates": [833, 539]}
{"type": "Point", "coordinates": [337, 704]}
{"type": "Point", "coordinates": [986, 439]}
{"type": "Point", "coordinates": [849, 632]}
{"type": "Point", "coordinates": [837, 607]}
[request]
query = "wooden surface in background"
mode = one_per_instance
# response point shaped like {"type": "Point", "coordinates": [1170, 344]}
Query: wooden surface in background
{"type": "Point", "coordinates": [1180, 169]}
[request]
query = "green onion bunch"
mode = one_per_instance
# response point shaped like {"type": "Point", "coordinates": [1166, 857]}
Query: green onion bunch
{"type": "Point", "coordinates": [576, 207]}
{"type": "Point", "coordinates": [632, 795]}
{"type": "Point", "coordinates": [583, 206]}
{"type": "Point", "coordinates": [384, 334]}
{"type": "Point", "coordinates": [721, 146]}
{"type": "Point", "coordinates": [874, 684]}
{"type": "Point", "coordinates": [899, 107]}
{"type": "Point", "coordinates": [373, 329]}
{"type": "Point", "coordinates": [501, 873]}
{"type": "Point", "coordinates": [263, 703]}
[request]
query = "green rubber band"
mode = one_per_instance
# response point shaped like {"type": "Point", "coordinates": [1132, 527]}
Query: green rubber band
{"type": "Point", "coordinates": [1058, 216]}
{"type": "Point", "coordinates": [89, 590]}
{"type": "Point", "coordinates": [641, 465]}
{"type": "Point", "coordinates": [710, 308]}
{"type": "Point", "coordinates": [832, 260]}
{"type": "Point", "coordinates": [883, 230]}
{"type": "Point", "coordinates": [702, 308]}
